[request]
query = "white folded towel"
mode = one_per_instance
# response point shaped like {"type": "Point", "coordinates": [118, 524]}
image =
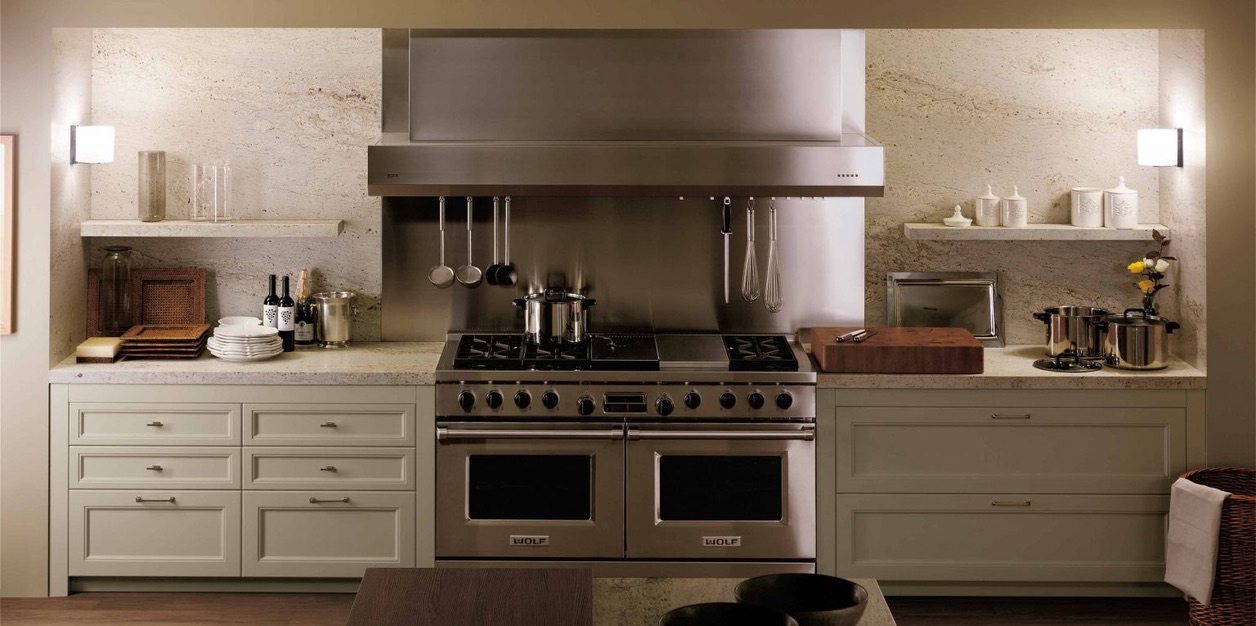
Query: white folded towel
{"type": "Point", "coordinates": [1190, 553]}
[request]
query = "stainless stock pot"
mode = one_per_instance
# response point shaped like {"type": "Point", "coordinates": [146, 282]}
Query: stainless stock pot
{"type": "Point", "coordinates": [555, 316]}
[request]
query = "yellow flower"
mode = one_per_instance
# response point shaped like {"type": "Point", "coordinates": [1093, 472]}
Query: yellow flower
{"type": "Point", "coordinates": [1147, 286]}
{"type": "Point", "coordinates": [1137, 267]}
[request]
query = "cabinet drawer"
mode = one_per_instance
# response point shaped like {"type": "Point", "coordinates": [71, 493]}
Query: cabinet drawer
{"type": "Point", "coordinates": [145, 424]}
{"type": "Point", "coordinates": [335, 534]}
{"type": "Point", "coordinates": [329, 424]}
{"type": "Point", "coordinates": [993, 450]}
{"type": "Point", "coordinates": [329, 468]}
{"type": "Point", "coordinates": [1016, 537]}
{"type": "Point", "coordinates": [196, 534]}
{"type": "Point", "coordinates": [108, 467]}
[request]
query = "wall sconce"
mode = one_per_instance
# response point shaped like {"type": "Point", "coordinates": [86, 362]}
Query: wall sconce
{"type": "Point", "coordinates": [1160, 146]}
{"type": "Point", "coordinates": [91, 144]}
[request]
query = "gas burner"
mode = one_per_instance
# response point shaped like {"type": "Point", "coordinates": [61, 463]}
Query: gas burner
{"type": "Point", "coordinates": [489, 352]}
{"type": "Point", "coordinates": [747, 353]}
{"type": "Point", "coordinates": [544, 356]}
{"type": "Point", "coordinates": [1068, 364]}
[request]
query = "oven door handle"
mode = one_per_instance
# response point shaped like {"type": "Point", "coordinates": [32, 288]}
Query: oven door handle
{"type": "Point", "coordinates": [445, 434]}
{"type": "Point", "coordinates": [807, 433]}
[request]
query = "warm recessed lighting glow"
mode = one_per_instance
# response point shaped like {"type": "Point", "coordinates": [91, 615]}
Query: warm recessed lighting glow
{"type": "Point", "coordinates": [91, 144]}
{"type": "Point", "coordinates": [1160, 147]}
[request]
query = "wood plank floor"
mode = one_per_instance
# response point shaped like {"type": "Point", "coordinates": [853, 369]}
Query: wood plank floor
{"type": "Point", "coordinates": [144, 609]}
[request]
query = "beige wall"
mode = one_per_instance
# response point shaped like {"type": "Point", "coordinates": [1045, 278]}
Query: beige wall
{"type": "Point", "coordinates": [25, 103]}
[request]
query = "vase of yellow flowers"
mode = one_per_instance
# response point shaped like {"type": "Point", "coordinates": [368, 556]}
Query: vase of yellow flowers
{"type": "Point", "coordinates": [1152, 268]}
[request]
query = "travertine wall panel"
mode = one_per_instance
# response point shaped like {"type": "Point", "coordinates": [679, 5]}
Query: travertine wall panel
{"type": "Point", "coordinates": [1045, 110]}
{"type": "Point", "coordinates": [1182, 190]}
{"type": "Point", "coordinates": [292, 111]}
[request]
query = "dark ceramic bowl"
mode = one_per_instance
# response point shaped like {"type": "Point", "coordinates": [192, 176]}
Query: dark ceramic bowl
{"type": "Point", "coordinates": [812, 599]}
{"type": "Point", "coordinates": [725, 614]}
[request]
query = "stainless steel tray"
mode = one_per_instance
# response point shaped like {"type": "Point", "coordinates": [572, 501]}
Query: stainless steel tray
{"type": "Point", "coordinates": [948, 299]}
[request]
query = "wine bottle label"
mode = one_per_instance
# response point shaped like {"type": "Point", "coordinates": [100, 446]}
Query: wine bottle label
{"type": "Point", "coordinates": [287, 317]}
{"type": "Point", "coordinates": [270, 315]}
{"type": "Point", "coordinates": [304, 332]}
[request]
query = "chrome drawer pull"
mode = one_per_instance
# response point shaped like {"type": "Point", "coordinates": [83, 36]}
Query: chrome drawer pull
{"type": "Point", "coordinates": [155, 424]}
{"type": "Point", "coordinates": [1001, 503]}
{"type": "Point", "coordinates": [155, 468]}
{"type": "Point", "coordinates": [996, 416]}
{"type": "Point", "coordinates": [143, 499]}
{"type": "Point", "coordinates": [339, 500]}
{"type": "Point", "coordinates": [327, 425]}
{"type": "Point", "coordinates": [327, 468]}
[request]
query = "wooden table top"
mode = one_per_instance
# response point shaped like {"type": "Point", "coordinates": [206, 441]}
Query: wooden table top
{"type": "Point", "coordinates": [501, 597]}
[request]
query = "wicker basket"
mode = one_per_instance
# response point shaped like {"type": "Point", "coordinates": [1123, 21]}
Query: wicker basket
{"type": "Point", "coordinates": [1234, 589]}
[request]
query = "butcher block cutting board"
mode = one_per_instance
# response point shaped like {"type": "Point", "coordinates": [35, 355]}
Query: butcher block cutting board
{"type": "Point", "coordinates": [899, 351]}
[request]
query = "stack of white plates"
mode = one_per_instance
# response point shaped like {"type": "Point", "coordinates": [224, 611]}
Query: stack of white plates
{"type": "Point", "coordinates": [245, 343]}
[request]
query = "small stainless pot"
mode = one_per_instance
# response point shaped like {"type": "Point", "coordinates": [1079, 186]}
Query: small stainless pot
{"type": "Point", "coordinates": [333, 317]}
{"type": "Point", "coordinates": [1074, 330]}
{"type": "Point", "coordinates": [1137, 341]}
{"type": "Point", "coordinates": [555, 316]}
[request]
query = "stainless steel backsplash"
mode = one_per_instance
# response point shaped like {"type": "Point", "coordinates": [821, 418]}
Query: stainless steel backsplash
{"type": "Point", "coordinates": [650, 263]}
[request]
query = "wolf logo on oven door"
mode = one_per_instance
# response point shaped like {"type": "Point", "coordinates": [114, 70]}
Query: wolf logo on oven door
{"type": "Point", "coordinates": [721, 542]}
{"type": "Point", "coordinates": [529, 541]}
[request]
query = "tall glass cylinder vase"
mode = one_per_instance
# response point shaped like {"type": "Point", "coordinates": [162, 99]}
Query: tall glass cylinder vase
{"type": "Point", "coordinates": [115, 290]}
{"type": "Point", "coordinates": [152, 186]}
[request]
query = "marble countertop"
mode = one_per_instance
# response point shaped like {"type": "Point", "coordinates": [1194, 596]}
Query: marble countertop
{"type": "Point", "coordinates": [1012, 368]}
{"type": "Point", "coordinates": [404, 363]}
{"type": "Point", "coordinates": [642, 601]}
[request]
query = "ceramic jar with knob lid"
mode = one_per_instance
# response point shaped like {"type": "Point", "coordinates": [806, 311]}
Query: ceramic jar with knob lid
{"type": "Point", "coordinates": [1015, 210]}
{"type": "Point", "coordinates": [1120, 206]}
{"type": "Point", "coordinates": [988, 209]}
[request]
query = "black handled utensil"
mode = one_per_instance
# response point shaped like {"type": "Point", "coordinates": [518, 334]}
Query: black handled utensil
{"type": "Point", "coordinates": [727, 230]}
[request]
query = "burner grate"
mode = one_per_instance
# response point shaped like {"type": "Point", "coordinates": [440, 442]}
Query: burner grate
{"type": "Point", "coordinates": [489, 352]}
{"type": "Point", "coordinates": [759, 353]}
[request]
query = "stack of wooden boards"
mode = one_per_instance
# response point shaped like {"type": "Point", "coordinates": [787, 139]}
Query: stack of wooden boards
{"type": "Point", "coordinates": [898, 351]}
{"type": "Point", "coordinates": [164, 341]}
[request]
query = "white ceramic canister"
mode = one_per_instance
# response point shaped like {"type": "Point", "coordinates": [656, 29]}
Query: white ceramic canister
{"type": "Point", "coordinates": [1015, 210]}
{"type": "Point", "coordinates": [1121, 206]}
{"type": "Point", "coordinates": [988, 209]}
{"type": "Point", "coordinates": [1087, 207]}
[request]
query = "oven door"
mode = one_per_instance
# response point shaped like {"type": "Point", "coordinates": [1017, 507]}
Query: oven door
{"type": "Point", "coordinates": [529, 490]}
{"type": "Point", "coordinates": [721, 491]}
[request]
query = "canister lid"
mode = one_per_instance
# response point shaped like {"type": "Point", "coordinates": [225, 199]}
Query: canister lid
{"type": "Point", "coordinates": [988, 195]}
{"type": "Point", "coordinates": [1121, 188]}
{"type": "Point", "coordinates": [1015, 194]}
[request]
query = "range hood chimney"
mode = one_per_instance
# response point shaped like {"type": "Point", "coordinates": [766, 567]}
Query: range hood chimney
{"type": "Point", "coordinates": [624, 113]}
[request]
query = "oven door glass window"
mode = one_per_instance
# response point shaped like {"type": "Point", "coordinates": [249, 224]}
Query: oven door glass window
{"type": "Point", "coordinates": [720, 488]}
{"type": "Point", "coordinates": [529, 487]}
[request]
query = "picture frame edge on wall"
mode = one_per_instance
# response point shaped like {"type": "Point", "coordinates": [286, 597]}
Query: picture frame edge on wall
{"type": "Point", "coordinates": [8, 159]}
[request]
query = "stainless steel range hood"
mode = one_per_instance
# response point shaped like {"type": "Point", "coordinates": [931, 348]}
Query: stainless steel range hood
{"type": "Point", "coordinates": [624, 113]}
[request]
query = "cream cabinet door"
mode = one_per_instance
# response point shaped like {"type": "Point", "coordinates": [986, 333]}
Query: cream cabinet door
{"type": "Point", "coordinates": [329, 468]}
{"type": "Point", "coordinates": [154, 424]}
{"type": "Point", "coordinates": [329, 424]}
{"type": "Point", "coordinates": [151, 467]}
{"type": "Point", "coordinates": [154, 533]}
{"type": "Point", "coordinates": [330, 534]}
{"type": "Point", "coordinates": [1014, 449]}
{"type": "Point", "coordinates": [1003, 537]}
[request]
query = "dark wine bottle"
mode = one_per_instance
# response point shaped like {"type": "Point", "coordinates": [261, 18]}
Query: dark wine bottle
{"type": "Point", "coordinates": [287, 319]}
{"type": "Point", "coordinates": [304, 334]}
{"type": "Point", "coordinates": [270, 307]}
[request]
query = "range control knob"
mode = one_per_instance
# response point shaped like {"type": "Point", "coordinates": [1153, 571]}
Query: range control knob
{"type": "Point", "coordinates": [664, 406]}
{"type": "Point", "coordinates": [693, 400]}
{"type": "Point", "coordinates": [549, 399]}
{"type": "Point", "coordinates": [585, 406]}
{"type": "Point", "coordinates": [728, 400]}
{"type": "Point", "coordinates": [784, 400]}
{"type": "Point", "coordinates": [756, 400]}
{"type": "Point", "coordinates": [494, 399]}
{"type": "Point", "coordinates": [466, 400]}
{"type": "Point", "coordinates": [523, 399]}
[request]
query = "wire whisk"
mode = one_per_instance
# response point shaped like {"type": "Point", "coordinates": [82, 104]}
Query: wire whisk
{"type": "Point", "coordinates": [750, 271]}
{"type": "Point", "coordinates": [772, 292]}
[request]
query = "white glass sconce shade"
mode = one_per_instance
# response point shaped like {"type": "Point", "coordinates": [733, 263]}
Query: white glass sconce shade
{"type": "Point", "coordinates": [1160, 147]}
{"type": "Point", "coordinates": [91, 144]}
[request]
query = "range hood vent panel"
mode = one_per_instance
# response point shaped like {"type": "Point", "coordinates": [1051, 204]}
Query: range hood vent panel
{"type": "Point", "coordinates": [622, 113]}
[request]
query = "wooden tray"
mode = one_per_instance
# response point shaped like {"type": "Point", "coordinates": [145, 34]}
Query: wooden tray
{"type": "Point", "coordinates": [899, 351]}
{"type": "Point", "coordinates": [164, 333]}
{"type": "Point", "coordinates": [158, 296]}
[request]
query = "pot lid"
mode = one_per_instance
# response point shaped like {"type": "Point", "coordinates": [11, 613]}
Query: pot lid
{"type": "Point", "coordinates": [1137, 318]}
{"type": "Point", "coordinates": [1121, 188]}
